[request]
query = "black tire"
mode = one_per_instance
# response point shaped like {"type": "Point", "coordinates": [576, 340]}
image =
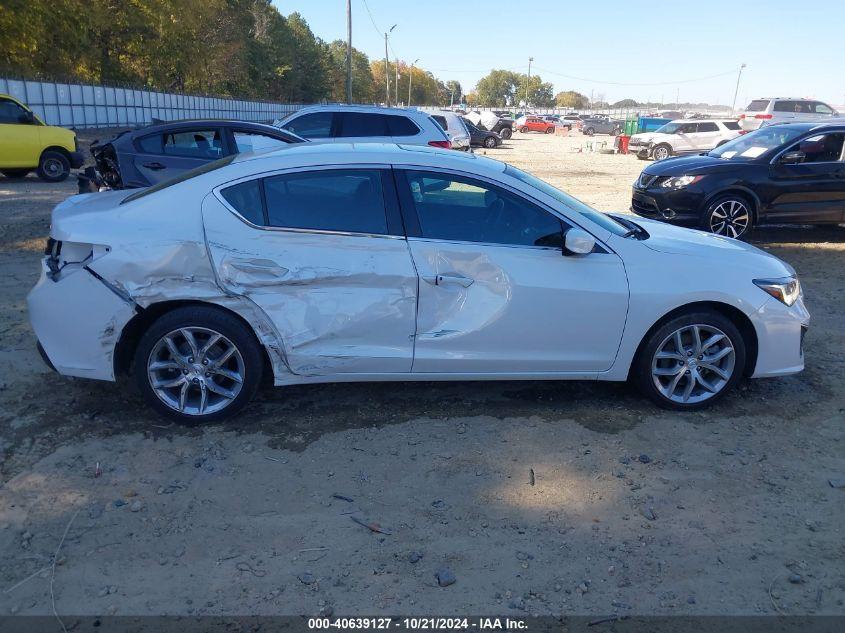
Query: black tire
{"type": "Point", "coordinates": [616, 131]}
{"type": "Point", "coordinates": [641, 370]}
{"type": "Point", "coordinates": [735, 207]}
{"type": "Point", "coordinates": [589, 131]}
{"type": "Point", "coordinates": [659, 150]}
{"type": "Point", "coordinates": [217, 321]}
{"type": "Point", "coordinates": [53, 166]}
{"type": "Point", "coordinates": [550, 130]}
{"type": "Point", "coordinates": [524, 130]}
{"type": "Point", "coordinates": [506, 133]}
{"type": "Point", "coordinates": [490, 142]}
{"type": "Point", "coordinates": [15, 173]}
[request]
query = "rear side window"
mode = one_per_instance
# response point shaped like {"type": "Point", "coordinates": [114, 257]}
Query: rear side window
{"type": "Point", "coordinates": [150, 144]}
{"type": "Point", "coordinates": [363, 124]}
{"type": "Point", "coordinates": [441, 121]}
{"type": "Point", "coordinates": [401, 126]}
{"type": "Point", "coordinates": [708, 127]}
{"type": "Point", "coordinates": [349, 200]}
{"type": "Point", "coordinates": [792, 106]}
{"type": "Point", "coordinates": [313, 125]}
{"type": "Point", "coordinates": [731, 125]}
{"type": "Point", "coordinates": [245, 198]}
{"type": "Point", "coordinates": [194, 144]}
{"type": "Point", "coordinates": [758, 105]}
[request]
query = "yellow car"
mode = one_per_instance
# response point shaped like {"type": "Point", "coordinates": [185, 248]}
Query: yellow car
{"type": "Point", "coordinates": [26, 143]}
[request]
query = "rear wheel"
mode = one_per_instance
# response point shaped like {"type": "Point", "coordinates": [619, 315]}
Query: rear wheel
{"type": "Point", "coordinates": [661, 152]}
{"type": "Point", "coordinates": [15, 173]}
{"type": "Point", "coordinates": [690, 361]}
{"type": "Point", "coordinates": [550, 130]}
{"type": "Point", "coordinates": [506, 133]}
{"type": "Point", "coordinates": [616, 131]}
{"type": "Point", "coordinates": [589, 131]}
{"type": "Point", "coordinates": [729, 215]}
{"type": "Point", "coordinates": [53, 166]}
{"type": "Point", "coordinates": [524, 130]}
{"type": "Point", "coordinates": [197, 364]}
{"type": "Point", "coordinates": [490, 142]}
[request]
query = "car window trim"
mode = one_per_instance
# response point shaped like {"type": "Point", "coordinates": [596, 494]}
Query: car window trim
{"type": "Point", "coordinates": [221, 129]}
{"type": "Point", "coordinates": [262, 176]}
{"type": "Point", "coordinates": [807, 135]}
{"type": "Point", "coordinates": [413, 228]}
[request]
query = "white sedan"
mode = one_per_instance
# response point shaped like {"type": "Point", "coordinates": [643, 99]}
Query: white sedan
{"type": "Point", "coordinates": [337, 262]}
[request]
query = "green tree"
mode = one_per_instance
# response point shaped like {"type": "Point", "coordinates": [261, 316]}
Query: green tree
{"type": "Point", "coordinates": [497, 88]}
{"type": "Point", "coordinates": [625, 103]}
{"type": "Point", "coordinates": [572, 99]}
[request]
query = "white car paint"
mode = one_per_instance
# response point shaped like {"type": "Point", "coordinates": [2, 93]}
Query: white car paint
{"type": "Point", "coordinates": [456, 129]}
{"type": "Point", "coordinates": [330, 306]}
{"type": "Point", "coordinates": [688, 139]}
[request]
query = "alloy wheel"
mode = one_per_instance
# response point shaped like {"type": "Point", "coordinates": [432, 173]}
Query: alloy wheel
{"type": "Point", "coordinates": [693, 364]}
{"type": "Point", "coordinates": [661, 153]}
{"type": "Point", "coordinates": [730, 218]}
{"type": "Point", "coordinates": [195, 370]}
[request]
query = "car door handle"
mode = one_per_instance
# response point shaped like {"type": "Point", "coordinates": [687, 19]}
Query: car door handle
{"type": "Point", "coordinates": [441, 280]}
{"type": "Point", "coordinates": [155, 166]}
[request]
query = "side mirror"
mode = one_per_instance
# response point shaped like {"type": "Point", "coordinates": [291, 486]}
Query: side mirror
{"type": "Point", "coordinates": [578, 242]}
{"type": "Point", "coordinates": [792, 158]}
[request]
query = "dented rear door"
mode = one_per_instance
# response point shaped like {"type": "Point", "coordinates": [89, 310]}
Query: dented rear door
{"type": "Point", "coordinates": [321, 251]}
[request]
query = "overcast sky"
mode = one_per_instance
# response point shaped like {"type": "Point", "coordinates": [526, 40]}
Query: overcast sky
{"type": "Point", "coordinates": [791, 48]}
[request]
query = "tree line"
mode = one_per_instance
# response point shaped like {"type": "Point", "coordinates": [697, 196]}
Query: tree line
{"type": "Point", "coordinates": [238, 48]}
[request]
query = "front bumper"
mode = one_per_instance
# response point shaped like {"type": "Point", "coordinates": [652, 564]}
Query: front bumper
{"type": "Point", "coordinates": [77, 321]}
{"type": "Point", "coordinates": [77, 159]}
{"type": "Point", "coordinates": [678, 206]}
{"type": "Point", "coordinates": [780, 338]}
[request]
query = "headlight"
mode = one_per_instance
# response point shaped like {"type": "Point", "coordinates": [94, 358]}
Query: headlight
{"type": "Point", "coordinates": [786, 290]}
{"type": "Point", "coordinates": [679, 182]}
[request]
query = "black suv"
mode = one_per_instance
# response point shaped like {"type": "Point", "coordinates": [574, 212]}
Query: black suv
{"type": "Point", "coordinates": [788, 173]}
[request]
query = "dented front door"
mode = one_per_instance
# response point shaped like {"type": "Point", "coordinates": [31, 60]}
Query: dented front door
{"type": "Point", "coordinates": [341, 302]}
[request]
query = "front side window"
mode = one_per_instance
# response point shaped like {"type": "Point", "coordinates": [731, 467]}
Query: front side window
{"type": "Point", "coordinates": [820, 108]}
{"type": "Point", "coordinates": [255, 142]}
{"type": "Point", "coordinates": [150, 144]}
{"type": "Point", "coordinates": [185, 175]}
{"type": "Point", "coordinates": [11, 112]}
{"type": "Point", "coordinates": [348, 200]}
{"type": "Point", "coordinates": [466, 210]}
{"type": "Point", "coordinates": [313, 125]}
{"type": "Point", "coordinates": [194, 144]}
{"type": "Point", "coordinates": [821, 148]}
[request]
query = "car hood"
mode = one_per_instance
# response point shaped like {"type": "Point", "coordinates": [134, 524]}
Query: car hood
{"type": "Point", "coordinates": [684, 165]}
{"type": "Point", "coordinates": [676, 240]}
{"type": "Point", "coordinates": [649, 137]}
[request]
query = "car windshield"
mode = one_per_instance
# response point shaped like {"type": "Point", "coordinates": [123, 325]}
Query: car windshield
{"type": "Point", "coordinates": [755, 144]}
{"type": "Point", "coordinates": [602, 219]}
{"type": "Point", "coordinates": [187, 175]}
{"type": "Point", "coordinates": [669, 128]}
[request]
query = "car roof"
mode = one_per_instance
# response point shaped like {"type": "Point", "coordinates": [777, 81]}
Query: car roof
{"type": "Point", "coordinates": [316, 154]}
{"type": "Point", "coordinates": [344, 107]}
{"type": "Point", "coordinates": [191, 123]}
{"type": "Point", "coordinates": [834, 123]}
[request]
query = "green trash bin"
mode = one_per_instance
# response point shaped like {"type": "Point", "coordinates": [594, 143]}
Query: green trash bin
{"type": "Point", "coordinates": [630, 127]}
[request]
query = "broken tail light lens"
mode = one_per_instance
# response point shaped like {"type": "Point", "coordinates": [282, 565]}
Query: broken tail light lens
{"type": "Point", "coordinates": [441, 144]}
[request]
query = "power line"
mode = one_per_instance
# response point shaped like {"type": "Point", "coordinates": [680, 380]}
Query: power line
{"type": "Point", "coordinates": [372, 19]}
{"type": "Point", "coordinates": [622, 83]}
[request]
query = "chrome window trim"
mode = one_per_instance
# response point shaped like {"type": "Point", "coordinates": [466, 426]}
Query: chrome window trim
{"type": "Point", "coordinates": [814, 132]}
{"type": "Point", "coordinates": [217, 191]}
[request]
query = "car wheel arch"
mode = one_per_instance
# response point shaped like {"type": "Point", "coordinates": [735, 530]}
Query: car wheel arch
{"type": "Point", "coordinates": [735, 315]}
{"type": "Point", "coordinates": [55, 148]}
{"type": "Point", "coordinates": [132, 332]}
{"type": "Point", "coordinates": [742, 192]}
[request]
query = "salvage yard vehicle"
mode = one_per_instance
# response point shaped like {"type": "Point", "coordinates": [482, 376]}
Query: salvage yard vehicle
{"type": "Point", "coordinates": [334, 262]}
{"type": "Point", "coordinates": [533, 123]}
{"type": "Point", "coordinates": [482, 138]}
{"type": "Point", "coordinates": [27, 144]}
{"type": "Point", "coordinates": [153, 154]}
{"type": "Point", "coordinates": [768, 111]}
{"type": "Point", "coordinates": [455, 128]}
{"type": "Point", "coordinates": [366, 124]}
{"type": "Point", "coordinates": [778, 174]}
{"type": "Point", "coordinates": [683, 137]}
{"type": "Point", "coordinates": [601, 125]}
{"type": "Point", "coordinates": [497, 122]}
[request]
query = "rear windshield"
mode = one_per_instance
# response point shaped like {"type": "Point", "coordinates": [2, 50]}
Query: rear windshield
{"type": "Point", "coordinates": [755, 144]}
{"type": "Point", "coordinates": [731, 125]}
{"type": "Point", "coordinates": [191, 173]}
{"type": "Point", "coordinates": [758, 105]}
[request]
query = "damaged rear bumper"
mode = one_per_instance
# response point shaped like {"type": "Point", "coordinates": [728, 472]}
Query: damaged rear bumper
{"type": "Point", "coordinates": [78, 320]}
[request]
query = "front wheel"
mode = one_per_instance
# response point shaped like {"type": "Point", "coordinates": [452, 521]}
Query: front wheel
{"type": "Point", "coordinates": [197, 364]}
{"type": "Point", "coordinates": [730, 216]}
{"type": "Point", "coordinates": [490, 142]}
{"type": "Point", "coordinates": [550, 130]}
{"type": "Point", "coordinates": [589, 131]}
{"type": "Point", "coordinates": [506, 133]}
{"type": "Point", "coordinates": [661, 152]}
{"type": "Point", "coordinates": [524, 130]}
{"type": "Point", "coordinates": [691, 361]}
{"type": "Point", "coordinates": [53, 166]}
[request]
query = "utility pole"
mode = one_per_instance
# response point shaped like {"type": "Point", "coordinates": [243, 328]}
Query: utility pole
{"type": "Point", "coordinates": [677, 98]}
{"type": "Point", "coordinates": [348, 51]}
{"type": "Point", "coordinates": [736, 92]}
{"type": "Point", "coordinates": [387, 68]}
{"type": "Point", "coordinates": [411, 78]}
{"type": "Point", "coordinates": [397, 81]}
{"type": "Point", "coordinates": [528, 83]}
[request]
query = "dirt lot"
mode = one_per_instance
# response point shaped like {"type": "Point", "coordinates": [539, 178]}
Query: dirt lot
{"type": "Point", "coordinates": [631, 511]}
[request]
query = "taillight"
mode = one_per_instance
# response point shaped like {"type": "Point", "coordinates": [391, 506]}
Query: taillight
{"type": "Point", "coordinates": [762, 116]}
{"type": "Point", "coordinates": [741, 132]}
{"type": "Point", "coordinates": [741, 116]}
{"type": "Point", "coordinates": [441, 144]}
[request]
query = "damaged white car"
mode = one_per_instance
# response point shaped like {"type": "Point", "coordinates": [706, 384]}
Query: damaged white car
{"type": "Point", "coordinates": [338, 262]}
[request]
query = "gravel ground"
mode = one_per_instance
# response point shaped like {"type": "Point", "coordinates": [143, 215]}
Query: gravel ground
{"type": "Point", "coordinates": [561, 498]}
